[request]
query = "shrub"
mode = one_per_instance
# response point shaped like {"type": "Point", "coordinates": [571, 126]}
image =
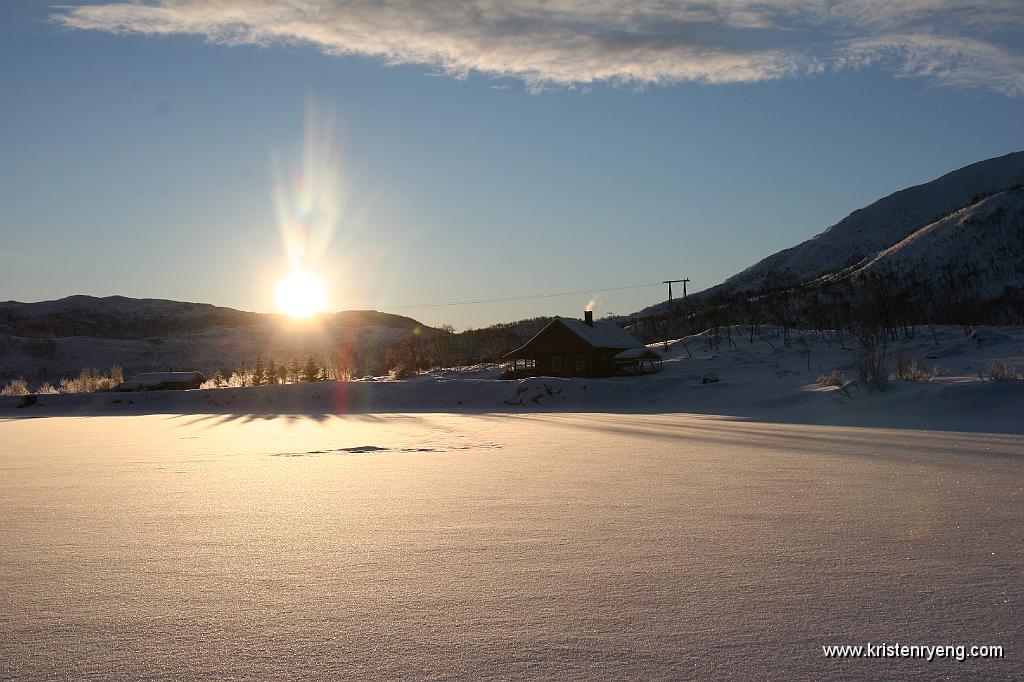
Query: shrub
{"type": "Point", "coordinates": [836, 378]}
{"type": "Point", "coordinates": [15, 387]}
{"type": "Point", "coordinates": [400, 372]}
{"type": "Point", "coordinates": [89, 381]}
{"type": "Point", "coordinates": [46, 388]}
{"type": "Point", "coordinates": [871, 369]}
{"type": "Point", "coordinates": [997, 370]}
{"type": "Point", "coordinates": [908, 369]}
{"type": "Point", "coordinates": [240, 379]}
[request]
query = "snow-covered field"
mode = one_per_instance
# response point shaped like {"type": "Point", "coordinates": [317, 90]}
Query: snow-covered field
{"type": "Point", "coordinates": [502, 545]}
{"type": "Point", "coordinates": [457, 525]}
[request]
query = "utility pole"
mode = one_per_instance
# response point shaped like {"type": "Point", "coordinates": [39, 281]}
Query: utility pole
{"type": "Point", "coordinates": [670, 282]}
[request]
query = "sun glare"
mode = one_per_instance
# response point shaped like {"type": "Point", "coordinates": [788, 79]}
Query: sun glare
{"type": "Point", "coordinates": [300, 294]}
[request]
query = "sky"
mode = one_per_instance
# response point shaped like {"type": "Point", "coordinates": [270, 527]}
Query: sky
{"type": "Point", "coordinates": [413, 152]}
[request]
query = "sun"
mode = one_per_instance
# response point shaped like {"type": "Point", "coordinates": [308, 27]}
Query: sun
{"type": "Point", "coordinates": [300, 294]}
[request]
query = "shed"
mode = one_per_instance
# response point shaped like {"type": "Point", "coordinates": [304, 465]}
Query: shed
{"type": "Point", "coordinates": [638, 361]}
{"type": "Point", "coordinates": [162, 381]}
{"type": "Point", "coordinates": [578, 348]}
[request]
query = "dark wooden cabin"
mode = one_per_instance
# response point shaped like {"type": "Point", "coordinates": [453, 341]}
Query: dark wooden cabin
{"type": "Point", "coordinates": [163, 381]}
{"type": "Point", "coordinates": [578, 348]}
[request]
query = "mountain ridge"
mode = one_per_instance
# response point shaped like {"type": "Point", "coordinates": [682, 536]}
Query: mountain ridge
{"type": "Point", "coordinates": [864, 235]}
{"type": "Point", "coordinates": [123, 317]}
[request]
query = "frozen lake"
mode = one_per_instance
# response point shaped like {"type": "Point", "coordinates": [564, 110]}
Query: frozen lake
{"type": "Point", "coordinates": [570, 546]}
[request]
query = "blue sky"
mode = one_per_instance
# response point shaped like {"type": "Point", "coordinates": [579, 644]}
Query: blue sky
{"type": "Point", "coordinates": [137, 151]}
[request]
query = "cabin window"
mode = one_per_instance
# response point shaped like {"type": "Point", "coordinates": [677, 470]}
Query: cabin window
{"type": "Point", "coordinates": [581, 363]}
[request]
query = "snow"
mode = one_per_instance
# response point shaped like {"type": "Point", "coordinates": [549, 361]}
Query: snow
{"type": "Point", "coordinates": [526, 545]}
{"type": "Point", "coordinates": [986, 239]}
{"type": "Point", "coordinates": [602, 334]}
{"type": "Point", "coordinates": [761, 379]}
{"type": "Point", "coordinates": [459, 525]}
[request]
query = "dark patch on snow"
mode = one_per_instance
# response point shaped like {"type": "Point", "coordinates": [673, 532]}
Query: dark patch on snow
{"type": "Point", "coordinates": [367, 449]}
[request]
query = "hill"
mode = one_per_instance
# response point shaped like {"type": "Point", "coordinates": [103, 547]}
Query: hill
{"type": "Point", "coordinates": [966, 224]}
{"type": "Point", "coordinates": [50, 339]}
{"type": "Point", "coordinates": [120, 317]}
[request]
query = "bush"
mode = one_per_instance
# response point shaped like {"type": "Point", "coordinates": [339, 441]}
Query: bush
{"type": "Point", "coordinates": [240, 379]}
{"type": "Point", "coordinates": [46, 388]}
{"type": "Point", "coordinates": [15, 387]}
{"type": "Point", "coordinates": [997, 370]}
{"type": "Point", "coordinates": [871, 369]}
{"type": "Point", "coordinates": [908, 369]}
{"type": "Point", "coordinates": [90, 381]}
{"type": "Point", "coordinates": [836, 378]}
{"type": "Point", "coordinates": [400, 372]}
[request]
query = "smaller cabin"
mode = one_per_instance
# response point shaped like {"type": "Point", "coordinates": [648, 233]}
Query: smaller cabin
{"type": "Point", "coordinates": [162, 381]}
{"type": "Point", "coordinates": [582, 348]}
{"type": "Point", "coordinates": [638, 361]}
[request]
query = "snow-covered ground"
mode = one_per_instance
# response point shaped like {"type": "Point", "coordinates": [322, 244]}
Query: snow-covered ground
{"type": "Point", "coordinates": [525, 545]}
{"type": "Point", "coordinates": [763, 380]}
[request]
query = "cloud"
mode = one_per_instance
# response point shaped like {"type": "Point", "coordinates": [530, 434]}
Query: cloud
{"type": "Point", "coordinates": [563, 43]}
{"type": "Point", "coordinates": [958, 62]}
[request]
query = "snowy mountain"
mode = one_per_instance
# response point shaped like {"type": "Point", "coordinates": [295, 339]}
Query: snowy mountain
{"type": "Point", "coordinates": [967, 219]}
{"type": "Point", "coordinates": [50, 339]}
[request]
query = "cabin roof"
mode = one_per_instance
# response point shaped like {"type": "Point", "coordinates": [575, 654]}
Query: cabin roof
{"type": "Point", "coordinates": [602, 334]}
{"type": "Point", "coordinates": [154, 378]}
{"type": "Point", "coordinates": [606, 335]}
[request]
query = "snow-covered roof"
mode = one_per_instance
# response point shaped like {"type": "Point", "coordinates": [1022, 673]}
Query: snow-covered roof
{"type": "Point", "coordinates": [599, 335]}
{"type": "Point", "coordinates": [638, 354]}
{"type": "Point", "coordinates": [156, 378]}
{"type": "Point", "coordinates": [602, 334]}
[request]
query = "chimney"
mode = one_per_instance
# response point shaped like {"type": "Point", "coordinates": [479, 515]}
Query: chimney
{"type": "Point", "coordinates": [588, 317]}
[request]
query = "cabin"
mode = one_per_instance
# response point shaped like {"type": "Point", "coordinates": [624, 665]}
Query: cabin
{"type": "Point", "coordinates": [582, 348]}
{"type": "Point", "coordinates": [162, 381]}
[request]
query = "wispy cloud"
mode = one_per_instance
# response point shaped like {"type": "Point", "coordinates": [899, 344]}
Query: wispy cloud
{"type": "Point", "coordinates": [545, 43]}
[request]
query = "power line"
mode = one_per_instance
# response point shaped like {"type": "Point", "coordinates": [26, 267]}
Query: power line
{"type": "Point", "coordinates": [521, 298]}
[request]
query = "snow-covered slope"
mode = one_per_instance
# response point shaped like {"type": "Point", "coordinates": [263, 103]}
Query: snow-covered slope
{"type": "Point", "coordinates": [985, 240]}
{"type": "Point", "coordinates": [929, 220]}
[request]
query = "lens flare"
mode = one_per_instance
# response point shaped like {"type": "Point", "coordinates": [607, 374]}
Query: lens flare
{"type": "Point", "coordinates": [300, 294]}
{"type": "Point", "coordinates": [308, 204]}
